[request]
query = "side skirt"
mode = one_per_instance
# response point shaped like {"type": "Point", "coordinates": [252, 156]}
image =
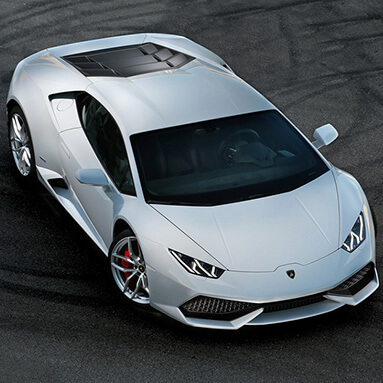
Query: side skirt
{"type": "Point", "coordinates": [71, 204]}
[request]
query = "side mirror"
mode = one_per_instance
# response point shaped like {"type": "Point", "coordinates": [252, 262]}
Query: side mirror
{"type": "Point", "coordinates": [95, 177]}
{"type": "Point", "coordinates": [324, 135]}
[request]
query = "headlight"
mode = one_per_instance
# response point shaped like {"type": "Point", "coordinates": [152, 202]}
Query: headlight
{"type": "Point", "coordinates": [194, 266]}
{"type": "Point", "coordinates": [357, 235]}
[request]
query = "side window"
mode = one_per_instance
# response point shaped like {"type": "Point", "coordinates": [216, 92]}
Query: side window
{"type": "Point", "coordinates": [107, 142]}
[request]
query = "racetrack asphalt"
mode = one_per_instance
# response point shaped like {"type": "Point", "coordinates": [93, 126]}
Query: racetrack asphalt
{"type": "Point", "coordinates": [60, 319]}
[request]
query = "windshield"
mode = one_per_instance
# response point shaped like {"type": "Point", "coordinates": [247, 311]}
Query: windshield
{"type": "Point", "coordinates": [225, 160]}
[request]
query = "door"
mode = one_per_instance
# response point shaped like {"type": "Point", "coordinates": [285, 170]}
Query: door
{"type": "Point", "coordinates": [97, 145]}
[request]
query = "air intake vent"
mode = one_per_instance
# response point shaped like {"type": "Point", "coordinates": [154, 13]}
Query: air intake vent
{"type": "Point", "coordinates": [218, 309]}
{"type": "Point", "coordinates": [58, 183]}
{"type": "Point", "coordinates": [128, 61]}
{"type": "Point", "coordinates": [356, 283]}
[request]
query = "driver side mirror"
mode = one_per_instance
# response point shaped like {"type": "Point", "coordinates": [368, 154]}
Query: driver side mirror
{"type": "Point", "coordinates": [324, 135]}
{"type": "Point", "coordinates": [95, 177]}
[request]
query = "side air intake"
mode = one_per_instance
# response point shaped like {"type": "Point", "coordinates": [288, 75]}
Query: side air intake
{"type": "Point", "coordinates": [128, 60]}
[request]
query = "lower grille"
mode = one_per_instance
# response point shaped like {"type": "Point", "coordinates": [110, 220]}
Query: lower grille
{"type": "Point", "coordinates": [222, 309]}
{"type": "Point", "coordinates": [355, 283]}
{"type": "Point", "coordinates": [215, 308]}
{"type": "Point", "coordinates": [292, 303]}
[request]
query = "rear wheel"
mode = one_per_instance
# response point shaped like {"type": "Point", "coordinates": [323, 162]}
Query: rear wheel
{"type": "Point", "coordinates": [20, 142]}
{"type": "Point", "coordinates": [128, 267]}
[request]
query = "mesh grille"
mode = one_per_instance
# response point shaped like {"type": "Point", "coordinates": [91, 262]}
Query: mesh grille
{"type": "Point", "coordinates": [355, 283]}
{"type": "Point", "coordinates": [355, 278]}
{"type": "Point", "coordinates": [214, 308]}
{"type": "Point", "coordinates": [292, 303]}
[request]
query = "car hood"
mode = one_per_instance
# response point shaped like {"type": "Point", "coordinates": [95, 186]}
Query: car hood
{"type": "Point", "coordinates": [260, 235]}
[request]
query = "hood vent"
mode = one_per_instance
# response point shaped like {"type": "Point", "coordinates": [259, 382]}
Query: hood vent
{"type": "Point", "coordinates": [128, 60]}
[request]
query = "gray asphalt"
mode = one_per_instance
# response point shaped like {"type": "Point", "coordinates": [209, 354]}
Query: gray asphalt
{"type": "Point", "coordinates": [60, 319]}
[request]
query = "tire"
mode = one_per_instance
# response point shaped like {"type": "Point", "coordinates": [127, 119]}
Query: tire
{"type": "Point", "coordinates": [20, 142]}
{"type": "Point", "coordinates": [128, 268]}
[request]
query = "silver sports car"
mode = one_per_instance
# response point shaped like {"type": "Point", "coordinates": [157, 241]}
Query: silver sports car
{"type": "Point", "coordinates": [210, 204]}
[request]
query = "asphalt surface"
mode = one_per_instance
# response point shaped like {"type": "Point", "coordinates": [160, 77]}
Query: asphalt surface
{"type": "Point", "coordinates": [60, 319]}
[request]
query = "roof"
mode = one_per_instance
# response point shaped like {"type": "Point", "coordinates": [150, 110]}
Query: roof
{"type": "Point", "coordinates": [201, 87]}
{"type": "Point", "coordinates": [196, 92]}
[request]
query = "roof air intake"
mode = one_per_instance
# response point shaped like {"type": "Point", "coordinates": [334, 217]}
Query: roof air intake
{"type": "Point", "coordinates": [128, 60]}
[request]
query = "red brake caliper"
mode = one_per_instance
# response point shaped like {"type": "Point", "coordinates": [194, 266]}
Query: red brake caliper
{"type": "Point", "coordinates": [125, 263]}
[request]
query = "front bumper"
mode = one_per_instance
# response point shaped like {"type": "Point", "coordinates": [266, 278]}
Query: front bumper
{"type": "Point", "coordinates": [288, 310]}
{"type": "Point", "coordinates": [221, 309]}
{"type": "Point", "coordinates": [318, 288]}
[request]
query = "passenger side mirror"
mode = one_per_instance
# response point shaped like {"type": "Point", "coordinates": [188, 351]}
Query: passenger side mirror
{"type": "Point", "coordinates": [324, 135]}
{"type": "Point", "coordinates": [95, 177]}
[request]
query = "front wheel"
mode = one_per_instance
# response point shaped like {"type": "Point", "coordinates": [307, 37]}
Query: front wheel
{"type": "Point", "coordinates": [128, 267]}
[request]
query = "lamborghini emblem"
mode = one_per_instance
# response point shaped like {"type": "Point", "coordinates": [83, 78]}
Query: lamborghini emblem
{"type": "Point", "coordinates": [291, 273]}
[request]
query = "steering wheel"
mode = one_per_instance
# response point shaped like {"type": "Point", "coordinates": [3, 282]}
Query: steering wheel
{"type": "Point", "coordinates": [229, 147]}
